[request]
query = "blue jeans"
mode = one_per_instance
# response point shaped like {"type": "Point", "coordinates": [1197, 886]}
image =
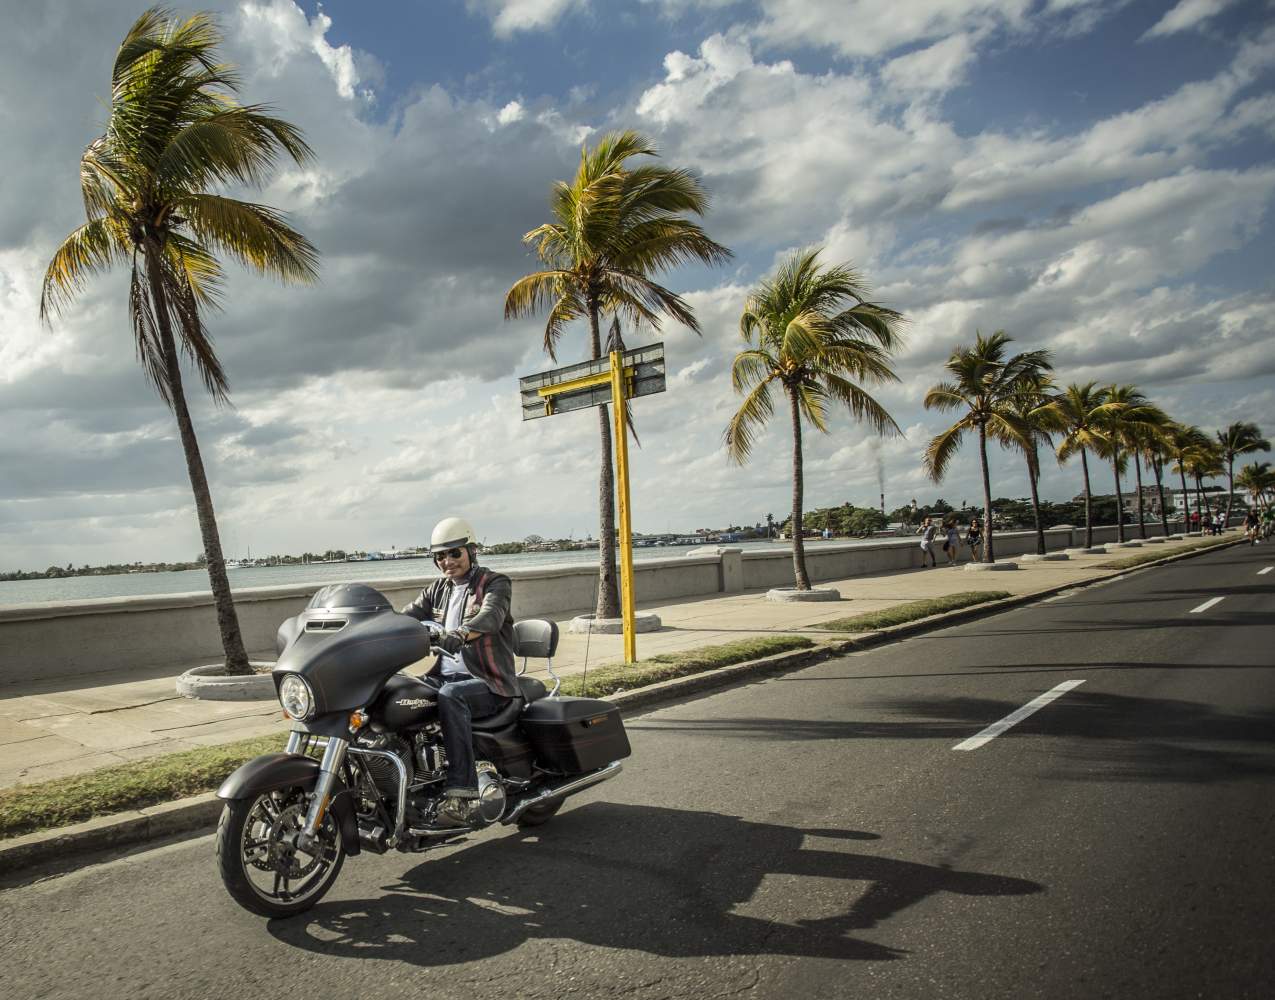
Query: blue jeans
{"type": "Point", "coordinates": [459, 703]}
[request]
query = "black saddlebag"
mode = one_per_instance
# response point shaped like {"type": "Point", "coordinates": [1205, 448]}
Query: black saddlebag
{"type": "Point", "coordinates": [573, 735]}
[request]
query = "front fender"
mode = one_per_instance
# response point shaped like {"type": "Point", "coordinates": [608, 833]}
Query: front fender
{"type": "Point", "coordinates": [267, 773]}
{"type": "Point", "coordinates": [273, 771]}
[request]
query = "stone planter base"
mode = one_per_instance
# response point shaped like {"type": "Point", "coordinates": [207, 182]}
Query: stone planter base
{"type": "Point", "coordinates": [996, 567]}
{"type": "Point", "coordinates": [1177, 538]}
{"type": "Point", "coordinates": [1155, 541]}
{"type": "Point", "coordinates": [211, 683]}
{"type": "Point", "coordinates": [613, 626]}
{"type": "Point", "coordinates": [1195, 534]}
{"type": "Point", "coordinates": [1125, 545]}
{"type": "Point", "coordinates": [1047, 557]}
{"type": "Point", "coordinates": [789, 594]}
{"type": "Point", "coordinates": [1094, 550]}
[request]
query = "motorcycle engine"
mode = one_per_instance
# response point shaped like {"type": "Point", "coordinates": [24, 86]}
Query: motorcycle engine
{"type": "Point", "coordinates": [384, 774]}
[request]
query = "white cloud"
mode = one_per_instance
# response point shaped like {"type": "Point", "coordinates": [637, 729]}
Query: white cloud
{"type": "Point", "coordinates": [869, 28]}
{"type": "Point", "coordinates": [508, 17]}
{"type": "Point", "coordinates": [1187, 15]}
{"type": "Point", "coordinates": [283, 29]}
{"type": "Point", "coordinates": [510, 113]}
{"type": "Point", "coordinates": [940, 67]}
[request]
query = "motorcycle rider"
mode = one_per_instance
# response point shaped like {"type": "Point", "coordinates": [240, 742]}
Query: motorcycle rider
{"type": "Point", "coordinates": [474, 673]}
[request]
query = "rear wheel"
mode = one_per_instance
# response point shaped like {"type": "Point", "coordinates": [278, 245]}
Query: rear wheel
{"type": "Point", "coordinates": [539, 815]}
{"type": "Point", "coordinates": [261, 866]}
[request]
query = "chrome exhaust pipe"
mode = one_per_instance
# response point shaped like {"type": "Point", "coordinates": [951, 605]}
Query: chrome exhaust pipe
{"type": "Point", "coordinates": [562, 791]}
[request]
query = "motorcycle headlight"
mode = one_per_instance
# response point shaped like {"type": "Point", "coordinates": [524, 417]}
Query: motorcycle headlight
{"type": "Point", "coordinates": [295, 697]}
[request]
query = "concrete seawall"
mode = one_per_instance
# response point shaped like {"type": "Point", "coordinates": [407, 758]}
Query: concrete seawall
{"type": "Point", "coordinates": [72, 638]}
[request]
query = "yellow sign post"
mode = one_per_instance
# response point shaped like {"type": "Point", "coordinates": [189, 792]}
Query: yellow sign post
{"type": "Point", "coordinates": [618, 397]}
{"type": "Point", "coordinates": [624, 375]}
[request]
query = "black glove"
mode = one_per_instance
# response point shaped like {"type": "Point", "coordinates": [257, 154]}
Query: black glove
{"type": "Point", "coordinates": [450, 642]}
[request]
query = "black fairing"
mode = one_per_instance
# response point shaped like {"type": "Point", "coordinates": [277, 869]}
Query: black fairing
{"type": "Point", "coordinates": [405, 702]}
{"type": "Point", "coordinates": [347, 643]}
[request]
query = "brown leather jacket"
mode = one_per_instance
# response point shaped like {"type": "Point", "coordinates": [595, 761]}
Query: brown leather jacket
{"type": "Point", "coordinates": [489, 656]}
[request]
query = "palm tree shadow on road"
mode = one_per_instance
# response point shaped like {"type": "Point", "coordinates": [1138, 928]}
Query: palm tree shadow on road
{"type": "Point", "coordinates": [665, 882]}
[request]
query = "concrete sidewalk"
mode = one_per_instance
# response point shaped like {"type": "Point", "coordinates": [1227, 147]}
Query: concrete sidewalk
{"type": "Point", "coordinates": [49, 730]}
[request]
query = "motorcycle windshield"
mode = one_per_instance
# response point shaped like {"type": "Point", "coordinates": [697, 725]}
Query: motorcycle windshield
{"type": "Point", "coordinates": [347, 660]}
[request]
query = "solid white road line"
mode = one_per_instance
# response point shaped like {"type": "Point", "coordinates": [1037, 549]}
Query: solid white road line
{"type": "Point", "coordinates": [996, 728]}
{"type": "Point", "coordinates": [1264, 570]}
{"type": "Point", "coordinates": [1206, 605]}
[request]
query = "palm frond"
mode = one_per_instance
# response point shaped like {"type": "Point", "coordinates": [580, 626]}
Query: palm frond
{"type": "Point", "coordinates": [741, 433]}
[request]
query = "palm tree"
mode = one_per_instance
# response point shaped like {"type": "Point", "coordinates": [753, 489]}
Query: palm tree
{"type": "Point", "coordinates": [1238, 439]}
{"type": "Point", "coordinates": [1150, 442]}
{"type": "Point", "coordinates": [818, 338]}
{"type": "Point", "coordinates": [1084, 409]}
{"type": "Point", "coordinates": [1127, 409]}
{"type": "Point", "coordinates": [1258, 479]}
{"type": "Point", "coordinates": [1030, 415]}
{"type": "Point", "coordinates": [1137, 424]}
{"type": "Point", "coordinates": [176, 134]}
{"type": "Point", "coordinates": [613, 227]}
{"type": "Point", "coordinates": [983, 385]}
{"type": "Point", "coordinates": [1204, 461]}
{"type": "Point", "coordinates": [1182, 442]}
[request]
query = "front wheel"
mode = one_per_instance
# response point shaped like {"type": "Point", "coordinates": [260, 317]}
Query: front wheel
{"type": "Point", "coordinates": [261, 866]}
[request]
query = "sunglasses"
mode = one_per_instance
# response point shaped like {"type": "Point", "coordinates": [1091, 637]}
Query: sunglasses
{"type": "Point", "coordinates": [448, 554]}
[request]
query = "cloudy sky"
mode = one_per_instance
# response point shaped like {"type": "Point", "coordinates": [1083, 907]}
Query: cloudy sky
{"type": "Point", "coordinates": [1092, 176]}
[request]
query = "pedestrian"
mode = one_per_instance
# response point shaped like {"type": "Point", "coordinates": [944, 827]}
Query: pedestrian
{"type": "Point", "coordinates": [952, 542]}
{"type": "Point", "coordinates": [1251, 526]}
{"type": "Point", "coordinates": [1195, 520]}
{"type": "Point", "coordinates": [974, 537]}
{"type": "Point", "coordinates": [1219, 523]}
{"type": "Point", "coordinates": [928, 530]}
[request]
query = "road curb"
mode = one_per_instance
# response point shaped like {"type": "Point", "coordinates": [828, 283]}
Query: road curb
{"type": "Point", "coordinates": [201, 812]}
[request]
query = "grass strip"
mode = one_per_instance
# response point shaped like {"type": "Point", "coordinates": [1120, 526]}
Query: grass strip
{"type": "Point", "coordinates": [121, 787]}
{"type": "Point", "coordinates": [614, 678]}
{"type": "Point", "coordinates": [148, 782]}
{"type": "Point", "coordinates": [911, 611]}
{"type": "Point", "coordinates": [1129, 562]}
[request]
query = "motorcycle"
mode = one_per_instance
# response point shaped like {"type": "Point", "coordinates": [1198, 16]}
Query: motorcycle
{"type": "Point", "coordinates": [364, 767]}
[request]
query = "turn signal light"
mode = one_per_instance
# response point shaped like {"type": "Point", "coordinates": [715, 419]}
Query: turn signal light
{"type": "Point", "coordinates": [286, 715]}
{"type": "Point", "coordinates": [357, 720]}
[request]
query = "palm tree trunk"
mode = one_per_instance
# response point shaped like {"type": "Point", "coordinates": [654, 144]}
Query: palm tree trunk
{"type": "Point", "coordinates": [1032, 474]}
{"type": "Point", "coordinates": [608, 605]}
{"type": "Point", "coordinates": [1084, 465]}
{"type": "Point", "coordinates": [798, 536]}
{"type": "Point", "coordinates": [1186, 521]}
{"type": "Point", "coordinates": [1158, 466]}
{"type": "Point", "coordinates": [988, 554]}
{"type": "Point", "coordinates": [1201, 502]}
{"type": "Point", "coordinates": [1137, 471]}
{"type": "Point", "coordinates": [1230, 487]}
{"type": "Point", "coordinates": [227, 620]}
{"type": "Point", "coordinates": [1115, 467]}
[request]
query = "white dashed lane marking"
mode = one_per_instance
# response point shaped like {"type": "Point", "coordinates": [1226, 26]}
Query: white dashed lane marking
{"type": "Point", "coordinates": [1264, 570]}
{"type": "Point", "coordinates": [1206, 605]}
{"type": "Point", "coordinates": [1035, 705]}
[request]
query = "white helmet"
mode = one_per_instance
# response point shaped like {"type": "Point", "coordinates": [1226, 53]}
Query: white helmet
{"type": "Point", "coordinates": [451, 533]}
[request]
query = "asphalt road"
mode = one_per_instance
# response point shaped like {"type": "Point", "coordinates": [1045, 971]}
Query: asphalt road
{"type": "Point", "coordinates": [814, 835]}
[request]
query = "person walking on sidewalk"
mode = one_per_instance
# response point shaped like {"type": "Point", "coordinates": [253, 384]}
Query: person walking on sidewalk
{"type": "Point", "coordinates": [951, 542]}
{"type": "Point", "coordinates": [928, 530]}
{"type": "Point", "coordinates": [974, 537]}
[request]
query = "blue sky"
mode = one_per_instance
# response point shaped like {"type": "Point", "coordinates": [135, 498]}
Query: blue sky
{"type": "Point", "coordinates": [1094, 177]}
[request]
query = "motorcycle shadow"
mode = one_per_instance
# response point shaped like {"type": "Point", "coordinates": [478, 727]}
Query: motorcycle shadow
{"type": "Point", "coordinates": [668, 882]}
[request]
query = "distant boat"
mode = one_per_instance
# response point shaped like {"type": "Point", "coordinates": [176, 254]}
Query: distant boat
{"type": "Point", "coordinates": [233, 564]}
